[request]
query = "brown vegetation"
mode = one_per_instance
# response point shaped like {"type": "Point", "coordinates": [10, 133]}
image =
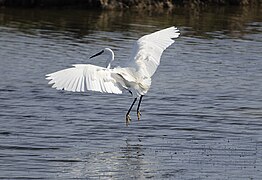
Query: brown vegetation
{"type": "Point", "coordinates": [123, 4]}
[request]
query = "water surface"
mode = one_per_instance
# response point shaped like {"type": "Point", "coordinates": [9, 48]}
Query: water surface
{"type": "Point", "coordinates": [201, 118]}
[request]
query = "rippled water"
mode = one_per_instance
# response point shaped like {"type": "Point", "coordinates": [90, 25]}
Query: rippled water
{"type": "Point", "coordinates": [201, 119]}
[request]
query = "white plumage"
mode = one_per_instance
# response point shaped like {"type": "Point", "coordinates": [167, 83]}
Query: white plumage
{"type": "Point", "coordinates": [83, 77]}
{"type": "Point", "coordinates": [136, 78]}
{"type": "Point", "coordinates": [148, 49]}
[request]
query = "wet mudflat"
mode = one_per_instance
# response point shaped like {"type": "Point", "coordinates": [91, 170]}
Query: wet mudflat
{"type": "Point", "coordinates": [201, 119]}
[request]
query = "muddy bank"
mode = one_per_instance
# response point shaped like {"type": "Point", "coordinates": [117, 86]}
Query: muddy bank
{"type": "Point", "coordinates": [123, 4]}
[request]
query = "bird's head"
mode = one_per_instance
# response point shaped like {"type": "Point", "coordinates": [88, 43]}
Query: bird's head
{"type": "Point", "coordinates": [106, 51]}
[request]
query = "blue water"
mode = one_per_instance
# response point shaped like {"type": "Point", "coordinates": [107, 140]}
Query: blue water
{"type": "Point", "coordinates": [201, 119]}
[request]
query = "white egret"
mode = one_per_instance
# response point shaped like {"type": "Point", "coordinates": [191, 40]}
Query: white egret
{"type": "Point", "coordinates": [136, 78]}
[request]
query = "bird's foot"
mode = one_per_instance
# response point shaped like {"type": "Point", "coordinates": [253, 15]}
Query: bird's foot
{"type": "Point", "coordinates": [138, 115]}
{"type": "Point", "coordinates": [128, 119]}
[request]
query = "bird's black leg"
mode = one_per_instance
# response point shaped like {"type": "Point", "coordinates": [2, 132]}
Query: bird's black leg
{"type": "Point", "coordinates": [138, 112]}
{"type": "Point", "coordinates": [128, 118]}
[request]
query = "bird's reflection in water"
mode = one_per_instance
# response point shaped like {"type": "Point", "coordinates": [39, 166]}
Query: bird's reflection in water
{"type": "Point", "coordinates": [132, 160]}
{"type": "Point", "coordinates": [132, 157]}
{"type": "Point", "coordinates": [126, 161]}
{"type": "Point", "coordinates": [132, 151]}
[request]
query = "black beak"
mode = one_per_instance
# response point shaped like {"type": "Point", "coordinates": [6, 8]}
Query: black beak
{"type": "Point", "coordinates": [97, 54]}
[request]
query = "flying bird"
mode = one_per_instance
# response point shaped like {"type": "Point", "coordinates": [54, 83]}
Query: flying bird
{"type": "Point", "coordinates": [135, 78]}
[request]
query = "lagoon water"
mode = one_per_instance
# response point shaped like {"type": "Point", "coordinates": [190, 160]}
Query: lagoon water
{"type": "Point", "coordinates": [201, 119]}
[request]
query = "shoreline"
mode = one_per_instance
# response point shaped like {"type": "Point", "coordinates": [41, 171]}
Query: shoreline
{"type": "Point", "coordinates": [123, 4]}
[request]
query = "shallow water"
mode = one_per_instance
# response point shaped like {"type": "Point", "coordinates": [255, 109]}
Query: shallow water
{"type": "Point", "coordinates": [201, 119]}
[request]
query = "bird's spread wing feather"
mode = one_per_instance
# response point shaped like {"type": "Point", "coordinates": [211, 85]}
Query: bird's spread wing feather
{"type": "Point", "coordinates": [148, 49]}
{"type": "Point", "coordinates": [83, 77]}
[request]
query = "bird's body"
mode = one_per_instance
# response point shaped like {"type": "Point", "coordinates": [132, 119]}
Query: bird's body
{"type": "Point", "coordinates": [136, 78]}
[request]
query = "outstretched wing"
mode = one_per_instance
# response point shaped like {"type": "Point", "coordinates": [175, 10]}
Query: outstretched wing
{"type": "Point", "coordinates": [148, 49]}
{"type": "Point", "coordinates": [83, 77]}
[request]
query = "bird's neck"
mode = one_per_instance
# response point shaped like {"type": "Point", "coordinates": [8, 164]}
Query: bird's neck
{"type": "Point", "coordinates": [110, 59]}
